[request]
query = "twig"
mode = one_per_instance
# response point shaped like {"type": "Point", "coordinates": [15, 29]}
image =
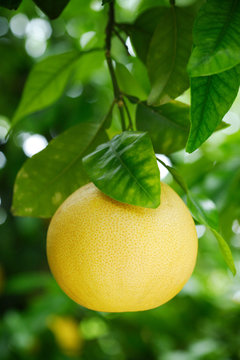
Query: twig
{"type": "Point", "coordinates": [117, 93]}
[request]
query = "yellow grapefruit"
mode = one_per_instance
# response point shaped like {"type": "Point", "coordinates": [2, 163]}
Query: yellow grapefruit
{"type": "Point", "coordinates": [114, 257]}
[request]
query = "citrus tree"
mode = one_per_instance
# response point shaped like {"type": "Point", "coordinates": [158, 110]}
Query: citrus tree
{"type": "Point", "coordinates": [152, 60]}
{"type": "Point", "coordinates": [70, 102]}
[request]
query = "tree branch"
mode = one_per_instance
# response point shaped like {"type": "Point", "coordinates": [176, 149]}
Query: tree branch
{"type": "Point", "coordinates": [117, 93]}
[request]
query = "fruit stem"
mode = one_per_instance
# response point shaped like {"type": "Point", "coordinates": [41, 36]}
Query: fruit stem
{"type": "Point", "coordinates": [117, 93]}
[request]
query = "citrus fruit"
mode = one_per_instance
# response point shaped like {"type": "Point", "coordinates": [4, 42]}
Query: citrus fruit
{"type": "Point", "coordinates": [114, 257]}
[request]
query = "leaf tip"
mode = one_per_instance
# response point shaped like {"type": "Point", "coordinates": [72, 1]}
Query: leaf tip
{"type": "Point", "coordinates": [152, 99]}
{"type": "Point", "coordinates": [156, 204]}
{"type": "Point", "coordinates": [156, 201]}
{"type": "Point", "coordinates": [234, 271]}
{"type": "Point", "coordinates": [191, 147]}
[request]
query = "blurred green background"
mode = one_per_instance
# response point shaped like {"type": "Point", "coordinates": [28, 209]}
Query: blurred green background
{"type": "Point", "coordinates": [37, 319]}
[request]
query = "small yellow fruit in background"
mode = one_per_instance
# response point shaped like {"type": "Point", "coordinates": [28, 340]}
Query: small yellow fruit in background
{"type": "Point", "coordinates": [67, 334]}
{"type": "Point", "coordinates": [114, 257]}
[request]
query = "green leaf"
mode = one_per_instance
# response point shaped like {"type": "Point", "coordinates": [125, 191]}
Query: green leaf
{"type": "Point", "coordinates": [127, 83]}
{"type": "Point", "coordinates": [50, 176]}
{"type": "Point", "coordinates": [45, 83]}
{"type": "Point", "coordinates": [204, 211]}
{"type": "Point", "coordinates": [10, 4]}
{"type": "Point", "coordinates": [216, 38]}
{"type": "Point", "coordinates": [226, 251]}
{"type": "Point", "coordinates": [211, 98]}
{"type": "Point", "coordinates": [169, 53]}
{"type": "Point", "coordinates": [87, 66]}
{"type": "Point", "coordinates": [52, 8]}
{"type": "Point", "coordinates": [125, 169]}
{"type": "Point", "coordinates": [176, 176]}
{"type": "Point", "coordinates": [142, 30]}
{"type": "Point", "coordinates": [168, 125]}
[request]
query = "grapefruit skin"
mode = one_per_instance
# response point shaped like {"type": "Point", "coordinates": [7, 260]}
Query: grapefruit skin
{"type": "Point", "coordinates": [114, 257]}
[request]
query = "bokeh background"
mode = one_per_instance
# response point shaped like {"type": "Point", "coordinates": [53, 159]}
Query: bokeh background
{"type": "Point", "coordinates": [37, 319]}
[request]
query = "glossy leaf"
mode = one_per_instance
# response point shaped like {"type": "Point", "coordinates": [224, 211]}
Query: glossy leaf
{"type": "Point", "coordinates": [211, 98]}
{"type": "Point", "coordinates": [52, 8]}
{"type": "Point", "coordinates": [49, 177]}
{"type": "Point", "coordinates": [168, 54]}
{"type": "Point", "coordinates": [168, 125]}
{"type": "Point", "coordinates": [10, 4]}
{"type": "Point", "coordinates": [127, 83]}
{"type": "Point", "coordinates": [125, 169]}
{"type": "Point", "coordinates": [216, 38]}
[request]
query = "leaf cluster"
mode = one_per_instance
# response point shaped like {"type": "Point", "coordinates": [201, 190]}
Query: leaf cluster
{"type": "Point", "coordinates": [177, 48]}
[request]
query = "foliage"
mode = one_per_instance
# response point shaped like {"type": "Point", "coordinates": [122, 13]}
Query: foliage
{"type": "Point", "coordinates": [46, 84]}
{"type": "Point", "coordinates": [55, 180]}
{"type": "Point", "coordinates": [212, 96]}
{"type": "Point", "coordinates": [219, 51]}
{"type": "Point", "coordinates": [168, 54]}
{"type": "Point", "coordinates": [64, 85]}
{"type": "Point", "coordinates": [125, 160]}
